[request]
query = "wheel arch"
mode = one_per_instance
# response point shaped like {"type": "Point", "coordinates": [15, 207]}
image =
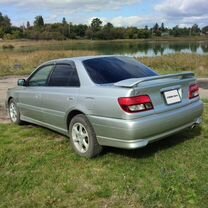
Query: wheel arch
{"type": "Point", "coordinates": [8, 100]}
{"type": "Point", "coordinates": [71, 115]}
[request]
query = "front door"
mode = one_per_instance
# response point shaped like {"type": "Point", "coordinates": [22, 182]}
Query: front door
{"type": "Point", "coordinates": [30, 97]}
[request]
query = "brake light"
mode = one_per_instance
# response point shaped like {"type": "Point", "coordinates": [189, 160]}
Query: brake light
{"type": "Point", "coordinates": [193, 91]}
{"type": "Point", "coordinates": [136, 104]}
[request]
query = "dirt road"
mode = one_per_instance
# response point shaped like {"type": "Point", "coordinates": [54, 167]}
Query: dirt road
{"type": "Point", "coordinates": [10, 82]}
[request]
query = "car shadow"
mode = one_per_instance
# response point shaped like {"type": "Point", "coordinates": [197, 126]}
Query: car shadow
{"type": "Point", "coordinates": [157, 146]}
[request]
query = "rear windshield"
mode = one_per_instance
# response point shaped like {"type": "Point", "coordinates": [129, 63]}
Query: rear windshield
{"type": "Point", "coordinates": [114, 69]}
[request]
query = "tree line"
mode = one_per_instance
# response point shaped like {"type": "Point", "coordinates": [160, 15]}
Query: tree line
{"type": "Point", "coordinates": [40, 30]}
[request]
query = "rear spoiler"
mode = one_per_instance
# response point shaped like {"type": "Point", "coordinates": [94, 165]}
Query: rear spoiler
{"type": "Point", "coordinates": [129, 83]}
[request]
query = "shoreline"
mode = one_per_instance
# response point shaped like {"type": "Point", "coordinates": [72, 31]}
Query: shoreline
{"type": "Point", "coordinates": [172, 39]}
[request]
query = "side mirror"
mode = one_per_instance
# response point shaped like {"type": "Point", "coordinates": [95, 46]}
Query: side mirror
{"type": "Point", "coordinates": [21, 82]}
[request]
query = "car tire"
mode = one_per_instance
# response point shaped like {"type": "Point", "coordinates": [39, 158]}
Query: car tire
{"type": "Point", "coordinates": [14, 112]}
{"type": "Point", "coordinates": [83, 138]}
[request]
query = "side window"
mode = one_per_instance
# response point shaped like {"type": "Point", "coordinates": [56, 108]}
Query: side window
{"type": "Point", "coordinates": [40, 77]}
{"type": "Point", "coordinates": [64, 75]}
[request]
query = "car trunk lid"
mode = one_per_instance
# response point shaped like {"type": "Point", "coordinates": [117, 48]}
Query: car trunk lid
{"type": "Point", "coordinates": [167, 92]}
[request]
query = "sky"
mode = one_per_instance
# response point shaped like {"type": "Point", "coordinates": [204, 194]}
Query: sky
{"type": "Point", "coordinates": [120, 13]}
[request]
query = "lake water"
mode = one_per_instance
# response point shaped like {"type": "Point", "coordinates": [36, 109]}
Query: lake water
{"type": "Point", "coordinates": [149, 49]}
{"type": "Point", "coordinates": [134, 48]}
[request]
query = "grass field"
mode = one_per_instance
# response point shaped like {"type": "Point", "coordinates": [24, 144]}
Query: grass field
{"type": "Point", "coordinates": [39, 169]}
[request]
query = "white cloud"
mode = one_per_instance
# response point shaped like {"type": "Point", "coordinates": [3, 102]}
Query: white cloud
{"type": "Point", "coordinates": [139, 21]}
{"type": "Point", "coordinates": [171, 12]}
{"type": "Point", "coordinates": [184, 12]}
{"type": "Point", "coordinates": [71, 6]}
{"type": "Point", "coordinates": [126, 21]}
{"type": "Point", "coordinates": [183, 7]}
{"type": "Point", "coordinates": [76, 11]}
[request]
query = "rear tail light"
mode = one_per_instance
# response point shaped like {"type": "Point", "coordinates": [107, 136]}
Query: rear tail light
{"type": "Point", "coordinates": [136, 104]}
{"type": "Point", "coordinates": [193, 91]}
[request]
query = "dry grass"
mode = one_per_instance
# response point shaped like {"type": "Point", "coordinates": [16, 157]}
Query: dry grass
{"type": "Point", "coordinates": [21, 63]}
{"type": "Point", "coordinates": [178, 63]}
{"type": "Point", "coordinates": [39, 43]}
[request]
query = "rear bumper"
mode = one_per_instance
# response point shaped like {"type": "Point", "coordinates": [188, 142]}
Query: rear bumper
{"type": "Point", "coordinates": [137, 133]}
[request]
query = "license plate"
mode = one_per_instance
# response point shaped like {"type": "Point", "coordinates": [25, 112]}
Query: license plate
{"type": "Point", "coordinates": [172, 97]}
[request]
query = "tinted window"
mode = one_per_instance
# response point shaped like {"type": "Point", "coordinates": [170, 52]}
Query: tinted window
{"type": "Point", "coordinates": [40, 77]}
{"type": "Point", "coordinates": [114, 69]}
{"type": "Point", "coordinates": [64, 75]}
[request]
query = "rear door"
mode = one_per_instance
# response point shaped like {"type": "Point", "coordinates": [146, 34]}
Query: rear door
{"type": "Point", "coordinates": [61, 95]}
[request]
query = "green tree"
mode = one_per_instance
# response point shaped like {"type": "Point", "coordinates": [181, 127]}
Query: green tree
{"type": "Point", "coordinates": [96, 24]}
{"type": "Point", "coordinates": [95, 29]}
{"type": "Point", "coordinates": [39, 21]}
{"type": "Point", "coordinates": [119, 33]}
{"type": "Point", "coordinates": [195, 29]}
{"type": "Point", "coordinates": [162, 27]}
{"type": "Point", "coordinates": [143, 33]}
{"type": "Point", "coordinates": [205, 29]}
{"type": "Point", "coordinates": [131, 32]}
{"type": "Point", "coordinates": [5, 25]}
{"type": "Point", "coordinates": [1, 33]}
{"type": "Point", "coordinates": [28, 24]}
{"type": "Point", "coordinates": [64, 22]}
{"type": "Point", "coordinates": [79, 30]}
{"type": "Point", "coordinates": [175, 31]}
{"type": "Point", "coordinates": [89, 33]}
{"type": "Point", "coordinates": [156, 27]}
{"type": "Point", "coordinates": [107, 33]}
{"type": "Point", "coordinates": [108, 26]}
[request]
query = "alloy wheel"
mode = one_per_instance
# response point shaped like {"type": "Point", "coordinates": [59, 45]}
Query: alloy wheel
{"type": "Point", "coordinates": [80, 137]}
{"type": "Point", "coordinates": [13, 112]}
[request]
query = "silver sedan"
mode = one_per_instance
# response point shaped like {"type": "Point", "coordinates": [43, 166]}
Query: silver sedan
{"type": "Point", "coordinates": [106, 101]}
